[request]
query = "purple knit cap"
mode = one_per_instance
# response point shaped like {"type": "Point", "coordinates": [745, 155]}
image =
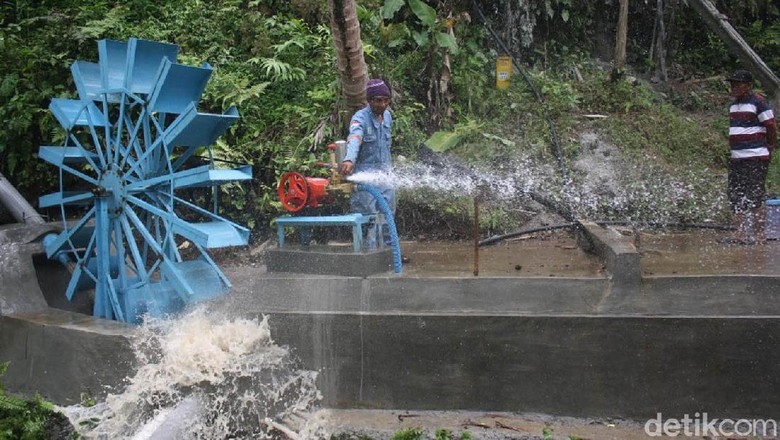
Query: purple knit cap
{"type": "Point", "coordinates": [376, 87]}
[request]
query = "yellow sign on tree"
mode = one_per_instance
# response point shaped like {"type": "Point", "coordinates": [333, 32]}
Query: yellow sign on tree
{"type": "Point", "coordinates": [503, 71]}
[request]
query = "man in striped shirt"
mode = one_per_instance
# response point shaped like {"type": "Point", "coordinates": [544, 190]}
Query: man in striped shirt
{"type": "Point", "coordinates": [752, 137]}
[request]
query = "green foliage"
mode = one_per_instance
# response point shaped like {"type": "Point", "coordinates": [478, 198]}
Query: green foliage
{"type": "Point", "coordinates": [622, 96]}
{"type": "Point", "coordinates": [561, 97]}
{"type": "Point", "coordinates": [409, 434]}
{"type": "Point", "coordinates": [765, 38]}
{"type": "Point", "coordinates": [445, 434]}
{"type": "Point", "coordinates": [442, 141]}
{"type": "Point", "coordinates": [23, 419]}
{"type": "Point", "coordinates": [682, 139]}
{"type": "Point", "coordinates": [431, 31]}
{"type": "Point", "coordinates": [87, 401]}
{"type": "Point", "coordinates": [275, 61]}
{"type": "Point", "coordinates": [275, 68]}
{"type": "Point", "coordinates": [408, 135]}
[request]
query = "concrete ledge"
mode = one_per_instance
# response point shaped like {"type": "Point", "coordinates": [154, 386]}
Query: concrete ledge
{"type": "Point", "coordinates": [26, 233]}
{"type": "Point", "coordinates": [702, 296]}
{"type": "Point", "coordinates": [618, 252]}
{"type": "Point", "coordinates": [328, 261]}
{"type": "Point", "coordinates": [61, 355]}
{"type": "Point", "coordinates": [19, 289]}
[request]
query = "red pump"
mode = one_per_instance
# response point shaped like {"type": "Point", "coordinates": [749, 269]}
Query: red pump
{"type": "Point", "coordinates": [297, 191]}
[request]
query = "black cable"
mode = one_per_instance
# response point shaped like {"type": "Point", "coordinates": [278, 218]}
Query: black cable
{"type": "Point", "coordinates": [497, 238]}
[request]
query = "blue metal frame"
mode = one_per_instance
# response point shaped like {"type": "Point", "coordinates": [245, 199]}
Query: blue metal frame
{"type": "Point", "coordinates": [118, 142]}
{"type": "Point", "coordinates": [304, 224]}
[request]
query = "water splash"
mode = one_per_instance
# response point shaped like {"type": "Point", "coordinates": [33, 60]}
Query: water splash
{"type": "Point", "coordinates": [605, 185]}
{"type": "Point", "coordinates": [416, 175]}
{"type": "Point", "coordinates": [212, 378]}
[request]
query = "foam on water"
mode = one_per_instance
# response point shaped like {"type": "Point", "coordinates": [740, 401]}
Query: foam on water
{"type": "Point", "coordinates": [225, 378]}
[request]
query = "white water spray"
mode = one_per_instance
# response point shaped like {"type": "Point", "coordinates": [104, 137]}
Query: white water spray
{"type": "Point", "coordinates": [207, 377]}
{"type": "Point", "coordinates": [606, 185]}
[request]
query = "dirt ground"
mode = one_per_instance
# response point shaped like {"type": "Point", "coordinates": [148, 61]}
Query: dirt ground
{"type": "Point", "coordinates": [380, 425]}
{"type": "Point", "coordinates": [556, 254]}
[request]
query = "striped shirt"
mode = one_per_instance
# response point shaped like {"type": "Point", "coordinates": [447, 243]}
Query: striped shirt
{"type": "Point", "coordinates": [748, 121]}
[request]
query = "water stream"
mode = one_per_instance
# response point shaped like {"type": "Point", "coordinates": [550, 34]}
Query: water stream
{"type": "Point", "coordinates": [606, 185]}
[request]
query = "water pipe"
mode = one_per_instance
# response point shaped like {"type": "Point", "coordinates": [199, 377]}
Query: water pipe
{"type": "Point", "coordinates": [476, 236]}
{"type": "Point", "coordinates": [17, 205]}
{"type": "Point", "coordinates": [497, 238]}
{"type": "Point", "coordinates": [385, 209]}
{"type": "Point", "coordinates": [23, 212]}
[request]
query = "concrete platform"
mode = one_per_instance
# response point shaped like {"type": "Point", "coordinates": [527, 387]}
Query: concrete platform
{"type": "Point", "coordinates": [333, 260]}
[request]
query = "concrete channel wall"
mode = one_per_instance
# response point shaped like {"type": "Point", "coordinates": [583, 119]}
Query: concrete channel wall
{"type": "Point", "coordinates": [537, 345]}
{"type": "Point", "coordinates": [62, 355]}
{"type": "Point", "coordinates": [615, 346]}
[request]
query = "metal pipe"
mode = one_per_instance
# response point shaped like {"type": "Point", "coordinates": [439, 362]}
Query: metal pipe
{"type": "Point", "coordinates": [19, 208]}
{"type": "Point", "coordinates": [476, 236]}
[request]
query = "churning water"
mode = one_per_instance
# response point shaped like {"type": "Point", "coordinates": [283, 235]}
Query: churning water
{"type": "Point", "coordinates": [205, 376]}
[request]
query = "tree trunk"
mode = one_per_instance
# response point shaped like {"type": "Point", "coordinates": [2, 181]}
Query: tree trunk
{"type": "Point", "coordinates": [621, 37]}
{"type": "Point", "coordinates": [350, 61]}
{"type": "Point", "coordinates": [445, 78]}
{"type": "Point", "coordinates": [660, 41]}
{"type": "Point", "coordinates": [719, 24]}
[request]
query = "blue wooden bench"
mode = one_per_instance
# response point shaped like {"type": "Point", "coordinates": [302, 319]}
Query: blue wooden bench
{"type": "Point", "coordinates": [304, 224]}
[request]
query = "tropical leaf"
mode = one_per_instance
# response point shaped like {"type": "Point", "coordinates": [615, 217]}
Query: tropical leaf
{"type": "Point", "coordinates": [421, 38]}
{"type": "Point", "coordinates": [425, 13]}
{"type": "Point", "coordinates": [391, 7]}
{"type": "Point", "coordinates": [442, 141]}
{"type": "Point", "coordinates": [278, 70]}
{"type": "Point", "coordinates": [446, 40]}
{"type": "Point", "coordinates": [279, 48]}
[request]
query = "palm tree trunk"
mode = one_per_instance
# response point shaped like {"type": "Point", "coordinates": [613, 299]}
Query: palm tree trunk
{"type": "Point", "coordinates": [350, 61]}
{"type": "Point", "coordinates": [620, 39]}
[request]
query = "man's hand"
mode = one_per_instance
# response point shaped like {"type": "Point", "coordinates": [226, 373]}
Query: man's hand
{"type": "Point", "coordinates": [346, 167]}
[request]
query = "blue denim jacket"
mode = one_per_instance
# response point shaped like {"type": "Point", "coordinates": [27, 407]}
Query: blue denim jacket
{"type": "Point", "coordinates": [369, 142]}
{"type": "Point", "coordinates": [368, 147]}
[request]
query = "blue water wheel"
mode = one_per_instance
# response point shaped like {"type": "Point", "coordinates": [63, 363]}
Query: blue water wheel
{"type": "Point", "coordinates": [131, 136]}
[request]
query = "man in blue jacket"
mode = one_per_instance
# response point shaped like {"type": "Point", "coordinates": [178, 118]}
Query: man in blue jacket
{"type": "Point", "coordinates": [368, 149]}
